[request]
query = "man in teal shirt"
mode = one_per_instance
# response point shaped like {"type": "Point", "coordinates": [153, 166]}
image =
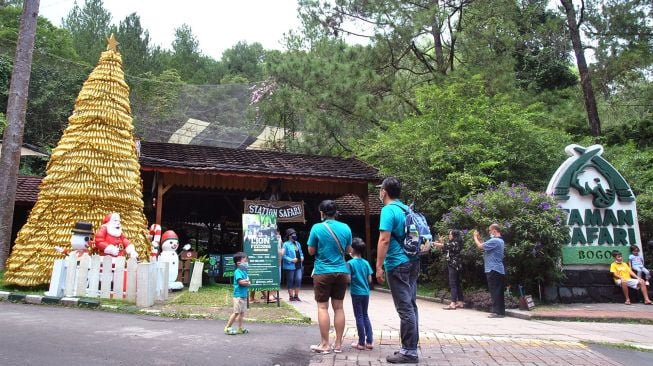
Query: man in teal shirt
{"type": "Point", "coordinates": [401, 270]}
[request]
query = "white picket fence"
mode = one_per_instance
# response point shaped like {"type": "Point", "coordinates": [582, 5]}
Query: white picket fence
{"type": "Point", "coordinates": [108, 277]}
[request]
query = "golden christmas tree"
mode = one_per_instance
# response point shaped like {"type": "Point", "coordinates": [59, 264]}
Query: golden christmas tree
{"type": "Point", "coordinates": [93, 171]}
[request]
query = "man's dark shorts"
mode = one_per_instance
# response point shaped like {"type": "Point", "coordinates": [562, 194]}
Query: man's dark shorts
{"type": "Point", "coordinates": [330, 285]}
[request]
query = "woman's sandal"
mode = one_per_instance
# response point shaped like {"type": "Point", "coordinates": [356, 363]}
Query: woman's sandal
{"type": "Point", "coordinates": [337, 349]}
{"type": "Point", "coordinates": [627, 303]}
{"type": "Point", "coordinates": [450, 307]}
{"type": "Point", "coordinates": [316, 348]}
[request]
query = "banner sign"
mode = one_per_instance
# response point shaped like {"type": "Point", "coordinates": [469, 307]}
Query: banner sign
{"type": "Point", "coordinates": [602, 215]}
{"type": "Point", "coordinates": [214, 265]}
{"type": "Point", "coordinates": [284, 211]}
{"type": "Point", "coordinates": [261, 246]}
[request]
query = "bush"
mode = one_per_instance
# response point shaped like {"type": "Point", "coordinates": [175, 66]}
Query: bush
{"type": "Point", "coordinates": [533, 228]}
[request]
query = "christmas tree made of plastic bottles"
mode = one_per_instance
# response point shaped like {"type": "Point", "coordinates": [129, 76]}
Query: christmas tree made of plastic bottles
{"type": "Point", "coordinates": [93, 171]}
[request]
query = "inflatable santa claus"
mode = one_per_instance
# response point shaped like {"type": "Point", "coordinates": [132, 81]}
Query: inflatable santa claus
{"type": "Point", "coordinates": [169, 245]}
{"type": "Point", "coordinates": [109, 240]}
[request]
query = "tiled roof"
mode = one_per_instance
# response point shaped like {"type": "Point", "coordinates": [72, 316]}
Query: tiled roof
{"type": "Point", "coordinates": [351, 205]}
{"type": "Point", "coordinates": [27, 189]}
{"type": "Point", "coordinates": [220, 159]}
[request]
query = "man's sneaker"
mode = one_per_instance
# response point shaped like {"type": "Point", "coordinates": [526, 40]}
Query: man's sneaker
{"type": "Point", "coordinates": [495, 315]}
{"type": "Point", "coordinates": [243, 330]}
{"type": "Point", "coordinates": [399, 357]}
{"type": "Point", "coordinates": [230, 331]}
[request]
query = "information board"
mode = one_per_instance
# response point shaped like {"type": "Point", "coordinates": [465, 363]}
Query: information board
{"type": "Point", "coordinates": [228, 266]}
{"type": "Point", "coordinates": [260, 244]}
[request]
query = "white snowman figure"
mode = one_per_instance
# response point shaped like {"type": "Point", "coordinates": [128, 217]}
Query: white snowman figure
{"type": "Point", "coordinates": [169, 245]}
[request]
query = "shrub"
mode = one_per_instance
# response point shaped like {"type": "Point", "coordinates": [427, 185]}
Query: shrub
{"type": "Point", "coordinates": [533, 228]}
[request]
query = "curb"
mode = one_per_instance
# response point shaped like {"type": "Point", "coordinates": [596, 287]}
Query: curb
{"type": "Point", "coordinates": [509, 312]}
{"type": "Point", "coordinates": [48, 300]}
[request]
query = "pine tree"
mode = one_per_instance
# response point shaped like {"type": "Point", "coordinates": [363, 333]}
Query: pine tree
{"type": "Point", "coordinates": [93, 171]}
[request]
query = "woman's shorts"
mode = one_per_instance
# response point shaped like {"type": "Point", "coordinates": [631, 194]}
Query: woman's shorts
{"type": "Point", "coordinates": [330, 285]}
{"type": "Point", "coordinates": [240, 304]}
{"type": "Point", "coordinates": [632, 283]}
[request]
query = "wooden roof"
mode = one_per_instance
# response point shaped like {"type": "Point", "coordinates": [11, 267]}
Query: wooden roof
{"type": "Point", "coordinates": [27, 189]}
{"type": "Point", "coordinates": [158, 156]}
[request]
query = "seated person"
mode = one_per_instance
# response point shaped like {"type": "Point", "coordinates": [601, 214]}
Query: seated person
{"type": "Point", "coordinates": [637, 263]}
{"type": "Point", "coordinates": [625, 277]}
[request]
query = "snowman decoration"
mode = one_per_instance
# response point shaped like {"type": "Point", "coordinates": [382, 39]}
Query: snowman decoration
{"type": "Point", "coordinates": [169, 245]}
{"type": "Point", "coordinates": [79, 241]}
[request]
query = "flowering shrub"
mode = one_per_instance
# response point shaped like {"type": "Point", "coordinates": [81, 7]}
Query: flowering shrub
{"type": "Point", "coordinates": [533, 228]}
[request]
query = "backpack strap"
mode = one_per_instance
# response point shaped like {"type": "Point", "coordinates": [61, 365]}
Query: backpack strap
{"type": "Point", "coordinates": [392, 233]}
{"type": "Point", "coordinates": [336, 238]}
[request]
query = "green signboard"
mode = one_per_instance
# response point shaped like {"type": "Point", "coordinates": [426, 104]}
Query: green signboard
{"type": "Point", "coordinates": [260, 244]}
{"type": "Point", "coordinates": [591, 254]}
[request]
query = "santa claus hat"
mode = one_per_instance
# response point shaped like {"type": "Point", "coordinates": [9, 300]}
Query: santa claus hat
{"type": "Point", "coordinates": [107, 218]}
{"type": "Point", "coordinates": [169, 235]}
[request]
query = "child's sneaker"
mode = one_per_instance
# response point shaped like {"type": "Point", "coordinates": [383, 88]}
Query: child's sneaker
{"type": "Point", "coordinates": [230, 331]}
{"type": "Point", "coordinates": [243, 330]}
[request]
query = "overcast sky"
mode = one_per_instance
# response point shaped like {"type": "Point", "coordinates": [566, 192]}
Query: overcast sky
{"type": "Point", "coordinates": [217, 24]}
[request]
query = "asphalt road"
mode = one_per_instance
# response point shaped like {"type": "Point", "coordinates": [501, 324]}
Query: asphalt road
{"type": "Point", "coordinates": [53, 335]}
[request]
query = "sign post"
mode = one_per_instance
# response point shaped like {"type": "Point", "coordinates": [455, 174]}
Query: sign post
{"type": "Point", "coordinates": [260, 245]}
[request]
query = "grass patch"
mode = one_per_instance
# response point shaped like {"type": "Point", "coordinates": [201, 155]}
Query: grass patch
{"type": "Point", "coordinates": [212, 295]}
{"type": "Point", "coordinates": [427, 289]}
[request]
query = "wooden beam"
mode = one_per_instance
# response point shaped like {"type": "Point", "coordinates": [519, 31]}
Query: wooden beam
{"type": "Point", "coordinates": [368, 226]}
{"type": "Point", "coordinates": [161, 189]}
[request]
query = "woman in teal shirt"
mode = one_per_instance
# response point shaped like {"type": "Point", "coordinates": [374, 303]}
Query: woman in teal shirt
{"type": "Point", "coordinates": [328, 242]}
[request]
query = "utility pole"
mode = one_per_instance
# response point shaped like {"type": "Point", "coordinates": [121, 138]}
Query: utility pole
{"type": "Point", "coordinates": [13, 135]}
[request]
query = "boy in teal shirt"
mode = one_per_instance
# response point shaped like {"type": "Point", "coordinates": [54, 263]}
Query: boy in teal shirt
{"type": "Point", "coordinates": [241, 282]}
{"type": "Point", "coordinates": [361, 277]}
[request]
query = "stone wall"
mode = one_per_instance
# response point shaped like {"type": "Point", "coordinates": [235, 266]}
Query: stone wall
{"type": "Point", "coordinates": [587, 286]}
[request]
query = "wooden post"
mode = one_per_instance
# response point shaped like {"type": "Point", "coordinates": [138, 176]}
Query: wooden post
{"type": "Point", "coordinates": [119, 278]}
{"type": "Point", "coordinates": [368, 229]}
{"type": "Point", "coordinates": [71, 271]}
{"type": "Point", "coordinates": [132, 265]}
{"type": "Point", "coordinates": [106, 277]}
{"type": "Point", "coordinates": [94, 276]}
{"type": "Point", "coordinates": [196, 278]}
{"type": "Point", "coordinates": [82, 275]}
{"type": "Point", "coordinates": [160, 191]}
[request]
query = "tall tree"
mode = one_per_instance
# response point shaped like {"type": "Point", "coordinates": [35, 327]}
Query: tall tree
{"type": "Point", "coordinates": [134, 45]}
{"type": "Point", "coordinates": [13, 134]}
{"type": "Point", "coordinates": [245, 60]}
{"type": "Point", "coordinates": [574, 21]}
{"type": "Point", "coordinates": [89, 25]}
{"type": "Point", "coordinates": [186, 54]}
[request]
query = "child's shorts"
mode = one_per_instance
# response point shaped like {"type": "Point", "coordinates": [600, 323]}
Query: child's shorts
{"type": "Point", "coordinates": [240, 304]}
{"type": "Point", "coordinates": [632, 283]}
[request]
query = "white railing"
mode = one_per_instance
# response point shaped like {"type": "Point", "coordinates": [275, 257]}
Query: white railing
{"type": "Point", "coordinates": [108, 277]}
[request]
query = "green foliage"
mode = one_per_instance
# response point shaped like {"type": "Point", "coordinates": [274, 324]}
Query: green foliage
{"type": "Point", "coordinates": [90, 27]}
{"type": "Point", "coordinates": [533, 229]}
{"type": "Point", "coordinates": [636, 166]}
{"type": "Point", "coordinates": [245, 60]}
{"type": "Point", "coordinates": [3, 123]}
{"type": "Point", "coordinates": [462, 143]}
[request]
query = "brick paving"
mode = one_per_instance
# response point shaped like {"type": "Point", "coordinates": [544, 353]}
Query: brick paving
{"type": "Point", "coordinates": [448, 350]}
{"type": "Point", "coordinates": [467, 337]}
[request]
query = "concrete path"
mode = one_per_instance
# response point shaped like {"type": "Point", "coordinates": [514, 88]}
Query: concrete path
{"type": "Point", "coordinates": [468, 337]}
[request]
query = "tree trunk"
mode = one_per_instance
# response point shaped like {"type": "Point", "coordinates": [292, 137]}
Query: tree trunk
{"type": "Point", "coordinates": [585, 78]}
{"type": "Point", "coordinates": [13, 135]}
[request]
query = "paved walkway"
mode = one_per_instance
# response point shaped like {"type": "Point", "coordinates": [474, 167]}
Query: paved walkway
{"type": "Point", "coordinates": [468, 337]}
